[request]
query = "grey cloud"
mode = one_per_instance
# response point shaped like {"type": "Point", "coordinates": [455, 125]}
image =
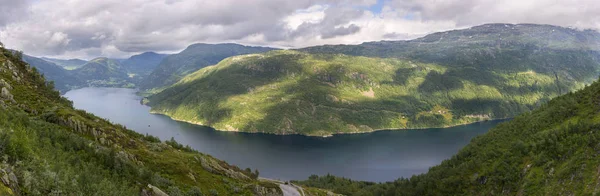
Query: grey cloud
{"type": "Point", "coordinates": [581, 13]}
{"type": "Point", "coordinates": [340, 31]}
{"type": "Point", "coordinates": [335, 23]}
{"type": "Point", "coordinates": [117, 27]}
{"type": "Point", "coordinates": [11, 11]}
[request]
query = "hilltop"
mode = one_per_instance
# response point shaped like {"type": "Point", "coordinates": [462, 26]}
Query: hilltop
{"type": "Point", "coordinates": [194, 57]}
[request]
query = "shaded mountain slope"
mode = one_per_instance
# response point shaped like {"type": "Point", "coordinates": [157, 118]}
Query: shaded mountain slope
{"type": "Point", "coordinates": [142, 65]}
{"type": "Point", "coordinates": [68, 64]}
{"type": "Point", "coordinates": [194, 57]}
{"type": "Point", "coordinates": [64, 80]}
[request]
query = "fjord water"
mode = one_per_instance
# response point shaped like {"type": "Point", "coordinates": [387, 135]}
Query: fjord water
{"type": "Point", "coordinates": [379, 156]}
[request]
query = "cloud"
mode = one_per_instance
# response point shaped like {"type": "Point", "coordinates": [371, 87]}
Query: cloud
{"type": "Point", "coordinates": [12, 11]}
{"type": "Point", "coordinates": [117, 28]}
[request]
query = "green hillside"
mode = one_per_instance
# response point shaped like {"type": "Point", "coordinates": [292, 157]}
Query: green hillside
{"type": "Point", "coordinates": [49, 148]}
{"type": "Point", "coordinates": [287, 92]}
{"type": "Point", "coordinates": [194, 57]}
{"type": "Point", "coordinates": [443, 79]}
{"type": "Point", "coordinates": [552, 150]}
{"type": "Point", "coordinates": [103, 72]}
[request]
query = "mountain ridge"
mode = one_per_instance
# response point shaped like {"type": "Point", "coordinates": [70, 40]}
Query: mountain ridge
{"type": "Point", "coordinates": [193, 58]}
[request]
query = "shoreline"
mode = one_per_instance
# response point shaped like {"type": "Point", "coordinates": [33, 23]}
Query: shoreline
{"type": "Point", "coordinates": [325, 136]}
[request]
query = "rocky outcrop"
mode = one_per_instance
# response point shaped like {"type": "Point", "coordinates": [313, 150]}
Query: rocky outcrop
{"type": "Point", "coordinates": [3, 83]}
{"type": "Point", "coordinates": [213, 166]}
{"type": "Point", "coordinates": [153, 191]}
{"type": "Point", "coordinates": [9, 179]}
{"type": "Point", "coordinates": [264, 191]}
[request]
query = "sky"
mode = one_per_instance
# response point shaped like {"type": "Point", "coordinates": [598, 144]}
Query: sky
{"type": "Point", "coordinates": [120, 28]}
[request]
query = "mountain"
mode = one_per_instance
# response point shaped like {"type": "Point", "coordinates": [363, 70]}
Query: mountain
{"type": "Point", "coordinates": [103, 72]}
{"type": "Point", "coordinates": [444, 79]}
{"type": "Point", "coordinates": [552, 150]}
{"type": "Point", "coordinates": [459, 47]}
{"type": "Point", "coordinates": [68, 64]}
{"type": "Point", "coordinates": [194, 57]}
{"type": "Point", "coordinates": [63, 79]}
{"type": "Point", "coordinates": [142, 64]}
{"type": "Point", "coordinates": [50, 148]}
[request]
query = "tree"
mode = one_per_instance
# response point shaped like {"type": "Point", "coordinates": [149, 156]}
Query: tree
{"type": "Point", "coordinates": [256, 172]}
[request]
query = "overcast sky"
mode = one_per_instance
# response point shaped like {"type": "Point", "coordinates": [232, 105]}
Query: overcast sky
{"type": "Point", "coordinates": [119, 28]}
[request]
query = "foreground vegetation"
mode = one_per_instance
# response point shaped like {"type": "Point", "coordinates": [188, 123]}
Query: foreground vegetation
{"type": "Point", "coordinates": [552, 150]}
{"type": "Point", "coordinates": [49, 148]}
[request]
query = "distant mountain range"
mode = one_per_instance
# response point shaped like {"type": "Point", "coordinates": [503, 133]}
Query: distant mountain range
{"type": "Point", "coordinates": [102, 71]}
{"type": "Point", "coordinates": [149, 71]}
{"type": "Point", "coordinates": [69, 64]}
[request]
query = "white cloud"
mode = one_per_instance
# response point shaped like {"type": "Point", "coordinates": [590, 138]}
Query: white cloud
{"type": "Point", "coordinates": [117, 28]}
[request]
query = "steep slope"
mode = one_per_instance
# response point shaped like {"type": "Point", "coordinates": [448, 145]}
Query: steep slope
{"type": "Point", "coordinates": [68, 64]}
{"type": "Point", "coordinates": [194, 57]}
{"type": "Point", "coordinates": [142, 65]}
{"type": "Point", "coordinates": [552, 150]}
{"type": "Point", "coordinates": [49, 148]}
{"type": "Point", "coordinates": [63, 79]}
{"type": "Point", "coordinates": [437, 85]}
{"type": "Point", "coordinates": [103, 72]}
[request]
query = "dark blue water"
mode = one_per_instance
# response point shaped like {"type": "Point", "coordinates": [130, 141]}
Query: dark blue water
{"type": "Point", "coordinates": [379, 156]}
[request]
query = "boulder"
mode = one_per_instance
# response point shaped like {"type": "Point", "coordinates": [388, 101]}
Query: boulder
{"type": "Point", "coordinates": [155, 191]}
{"type": "Point", "coordinates": [5, 94]}
{"type": "Point", "coordinates": [3, 83]}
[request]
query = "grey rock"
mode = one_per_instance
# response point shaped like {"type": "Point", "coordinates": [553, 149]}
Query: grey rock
{"type": "Point", "coordinates": [156, 191]}
{"type": "Point", "coordinates": [3, 83]}
{"type": "Point", "coordinates": [5, 180]}
{"type": "Point", "coordinates": [13, 178]}
{"type": "Point", "coordinates": [4, 93]}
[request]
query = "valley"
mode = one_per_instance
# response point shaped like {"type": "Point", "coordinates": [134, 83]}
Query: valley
{"type": "Point", "coordinates": [506, 109]}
